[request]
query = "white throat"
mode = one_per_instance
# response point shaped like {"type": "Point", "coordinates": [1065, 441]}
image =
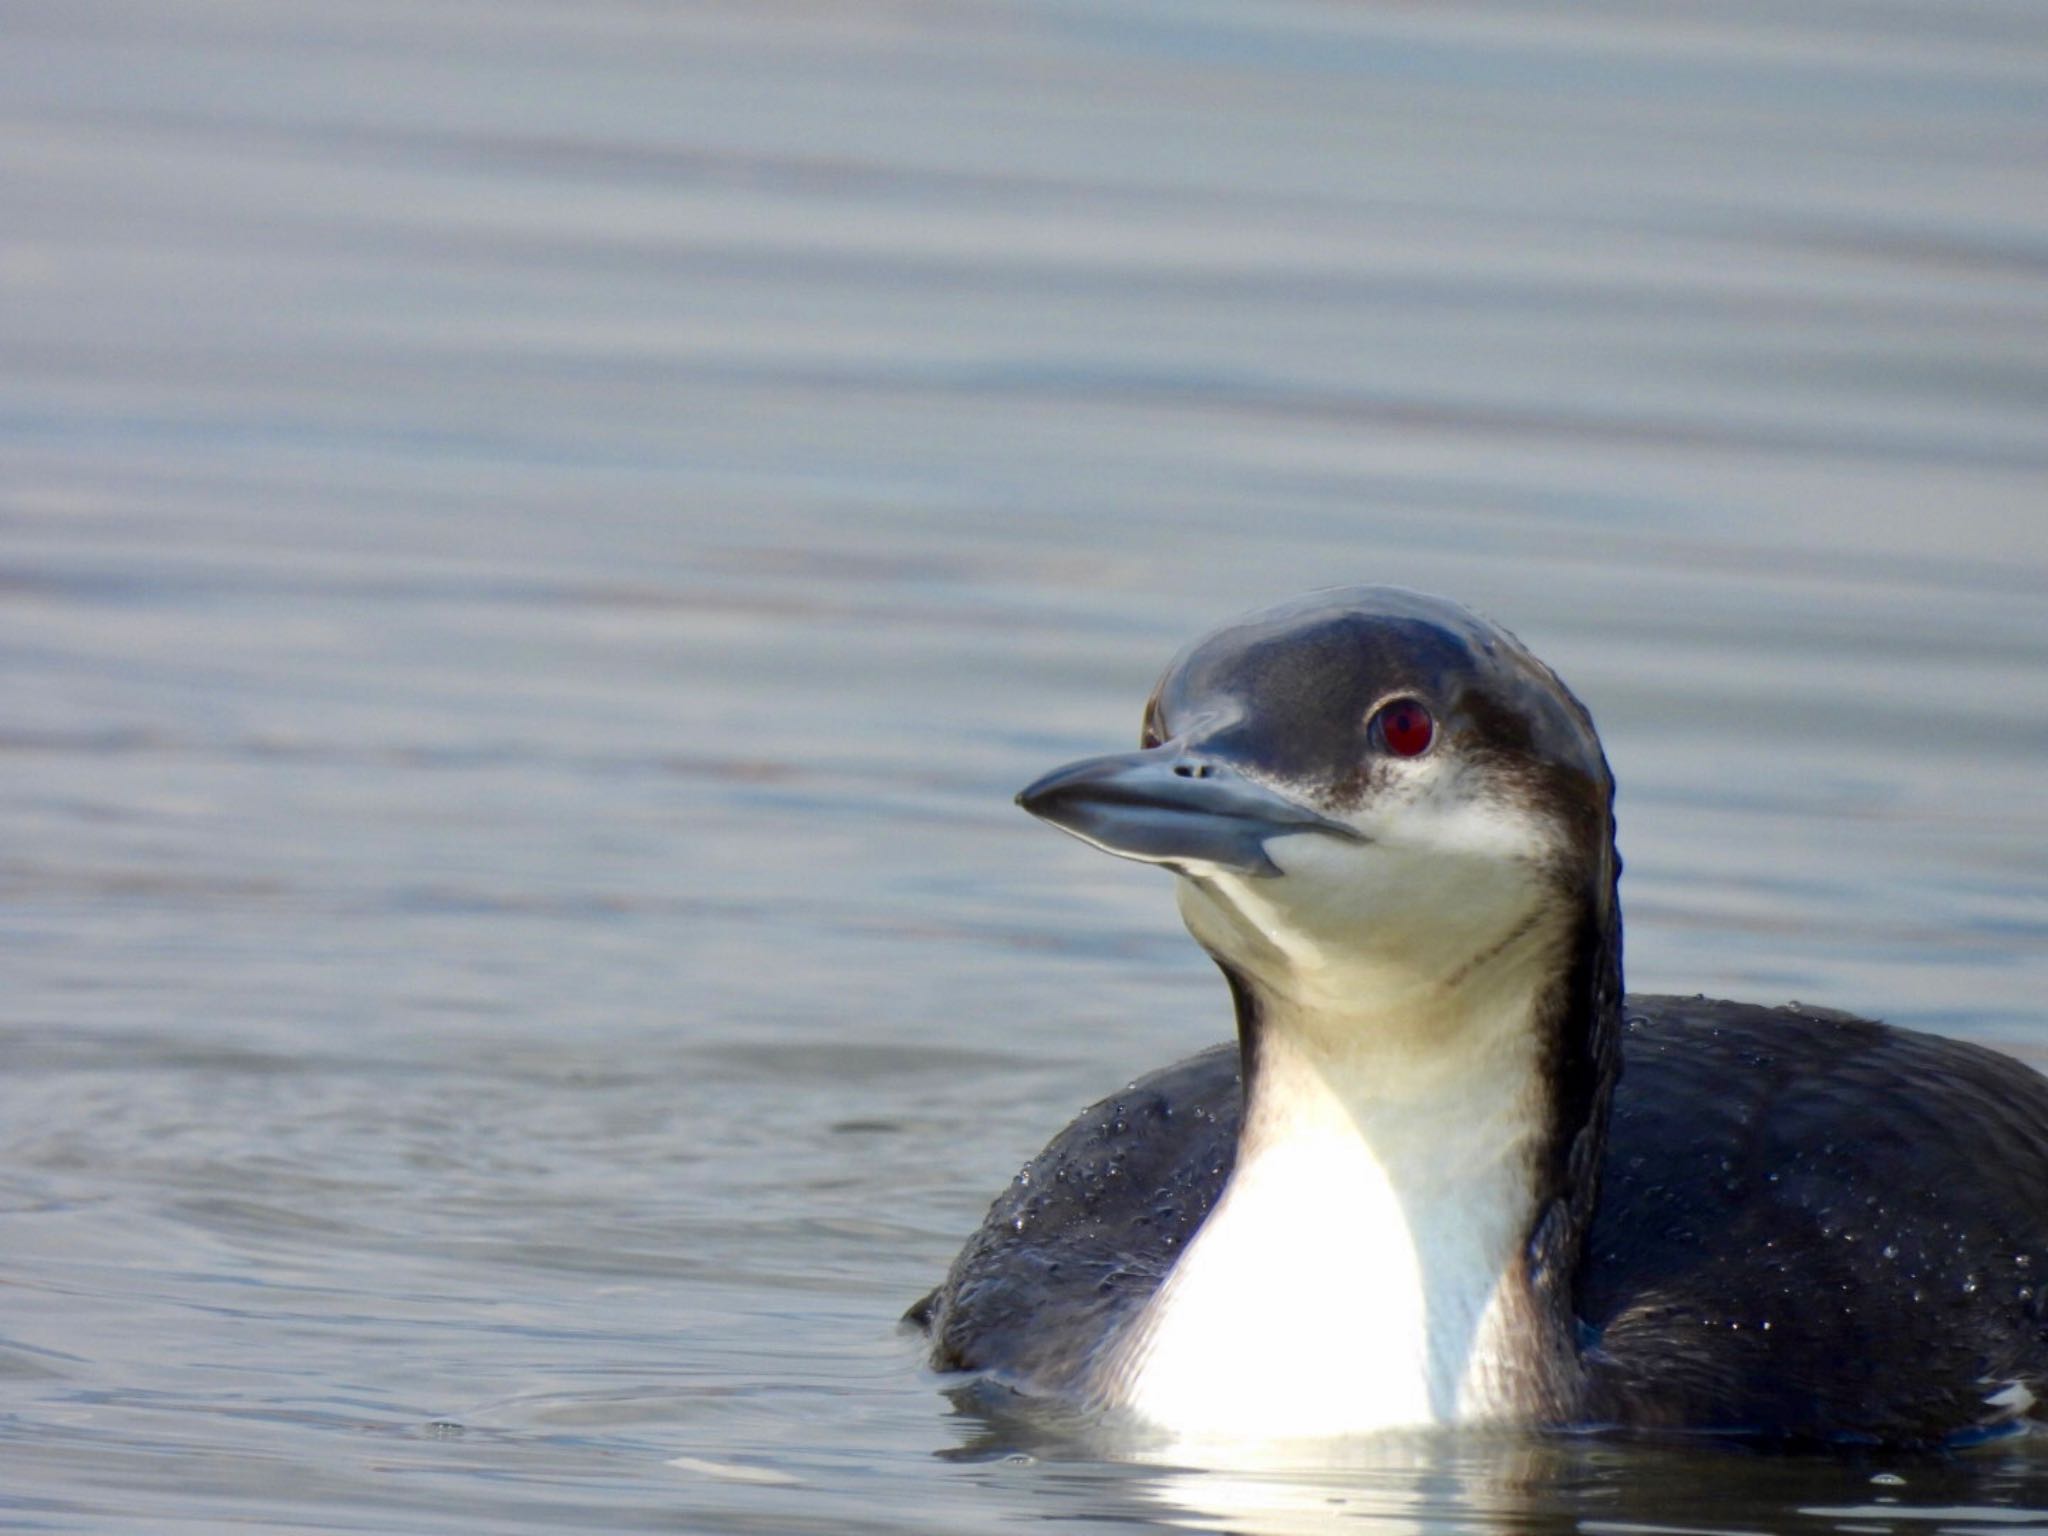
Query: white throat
{"type": "Point", "coordinates": [1362, 1269]}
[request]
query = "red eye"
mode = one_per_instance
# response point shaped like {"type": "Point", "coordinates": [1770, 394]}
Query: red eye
{"type": "Point", "coordinates": [1405, 727]}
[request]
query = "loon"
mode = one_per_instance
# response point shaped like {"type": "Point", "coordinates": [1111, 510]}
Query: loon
{"type": "Point", "coordinates": [1449, 1173]}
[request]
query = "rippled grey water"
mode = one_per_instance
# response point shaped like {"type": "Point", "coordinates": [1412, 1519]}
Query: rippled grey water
{"type": "Point", "coordinates": [537, 541]}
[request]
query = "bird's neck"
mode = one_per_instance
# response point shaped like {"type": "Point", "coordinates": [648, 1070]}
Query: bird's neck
{"type": "Point", "coordinates": [1396, 1242]}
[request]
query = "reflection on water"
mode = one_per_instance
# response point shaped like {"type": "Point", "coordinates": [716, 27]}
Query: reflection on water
{"type": "Point", "coordinates": [539, 540]}
{"type": "Point", "coordinates": [1484, 1481]}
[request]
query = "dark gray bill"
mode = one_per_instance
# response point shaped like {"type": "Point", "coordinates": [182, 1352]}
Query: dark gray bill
{"type": "Point", "coordinates": [1168, 806]}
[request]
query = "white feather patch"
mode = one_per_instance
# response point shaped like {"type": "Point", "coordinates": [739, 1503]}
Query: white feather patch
{"type": "Point", "coordinates": [1354, 1275]}
{"type": "Point", "coordinates": [2015, 1398]}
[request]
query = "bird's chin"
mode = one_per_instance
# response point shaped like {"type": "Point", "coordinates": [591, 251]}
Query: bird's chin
{"type": "Point", "coordinates": [1249, 925]}
{"type": "Point", "coordinates": [1341, 921]}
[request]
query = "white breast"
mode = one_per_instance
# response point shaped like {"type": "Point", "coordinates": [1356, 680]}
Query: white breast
{"type": "Point", "coordinates": [1359, 1271]}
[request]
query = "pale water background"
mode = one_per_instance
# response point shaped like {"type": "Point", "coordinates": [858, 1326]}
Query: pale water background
{"type": "Point", "coordinates": [538, 539]}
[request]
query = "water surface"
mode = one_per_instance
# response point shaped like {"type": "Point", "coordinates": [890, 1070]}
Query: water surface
{"type": "Point", "coordinates": [538, 540]}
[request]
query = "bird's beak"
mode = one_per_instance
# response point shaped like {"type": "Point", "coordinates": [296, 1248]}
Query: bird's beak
{"type": "Point", "coordinates": [1169, 805]}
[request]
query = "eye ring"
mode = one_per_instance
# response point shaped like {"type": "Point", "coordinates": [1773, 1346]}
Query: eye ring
{"type": "Point", "coordinates": [1404, 727]}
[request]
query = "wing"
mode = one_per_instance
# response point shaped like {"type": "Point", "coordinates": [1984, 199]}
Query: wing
{"type": "Point", "coordinates": [1818, 1227]}
{"type": "Point", "coordinates": [1089, 1228]}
